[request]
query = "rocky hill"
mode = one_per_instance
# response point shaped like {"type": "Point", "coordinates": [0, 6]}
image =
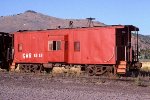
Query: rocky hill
{"type": "Point", "coordinates": [144, 41]}
{"type": "Point", "coordinates": [31, 20]}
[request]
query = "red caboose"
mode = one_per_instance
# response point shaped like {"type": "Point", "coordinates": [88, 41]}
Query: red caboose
{"type": "Point", "coordinates": [97, 49]}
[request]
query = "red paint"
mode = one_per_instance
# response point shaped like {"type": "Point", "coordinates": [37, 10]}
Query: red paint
{"type": "Point", "coordinates": [97, 46]}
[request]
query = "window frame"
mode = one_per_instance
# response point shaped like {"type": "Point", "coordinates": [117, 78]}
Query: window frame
{"type": "Point", "coordinates": [54, 45]}
{"type": "Point", "coordinates": [77, 46]}
{"type": "Point", "coordinates": [20, 47]}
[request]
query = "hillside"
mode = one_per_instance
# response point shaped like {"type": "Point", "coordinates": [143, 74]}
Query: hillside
{"type": "Point", "coordinates": [31, 20]}
{"type": "Point", "coordinates": [144, 41]}
{"type": "Point", "coordinates": [144, 46]}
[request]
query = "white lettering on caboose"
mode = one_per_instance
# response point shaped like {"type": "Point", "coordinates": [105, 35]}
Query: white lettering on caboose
{"type": "Point", "coordinates": [30, 55]}
{"type": "Point", "coordinates": [24, 55]}
{"type": "Point", "coordinates": [35, 55]}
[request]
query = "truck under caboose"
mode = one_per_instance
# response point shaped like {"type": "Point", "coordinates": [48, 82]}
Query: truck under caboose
{"type": "Point", "coordinates": [97, 50]}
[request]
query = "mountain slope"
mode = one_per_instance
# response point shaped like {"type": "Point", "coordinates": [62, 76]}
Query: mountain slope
{"type": "Point", "coordinates": [144, 41]}
{"type": "Point", "coordinates": [31, 20]}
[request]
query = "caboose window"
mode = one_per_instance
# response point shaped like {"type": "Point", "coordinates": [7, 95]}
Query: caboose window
{"type": "Point", "coordinates": [54, 45]}
{"type": "Point", "coordinates": [19, 47]}
{"type": "Point", "coordinates": [76, 46]}
{"type": "Point", "coordinates": [58, 45]}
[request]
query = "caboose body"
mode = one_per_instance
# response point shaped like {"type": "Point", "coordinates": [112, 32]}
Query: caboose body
{"type": "Point", "coordinates": [97, 49]}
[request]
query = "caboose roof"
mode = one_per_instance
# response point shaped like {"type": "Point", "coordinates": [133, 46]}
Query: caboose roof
{"type": "Point", "coordinates": [131, 27]}
{"type": "Point", "coordinates": [4, 34]}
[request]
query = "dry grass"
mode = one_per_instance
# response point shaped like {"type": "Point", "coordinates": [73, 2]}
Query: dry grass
{"type": "Point", "coordinates": [18, 68]}
{"type": "Point", "coordinates": [57, 71]}
{"type": "Point", "coordinates": [73, 71]}
{"type": "Point", "coordinates": [145, 66]}
{"type": "Point", "coordinates": [76, 71]}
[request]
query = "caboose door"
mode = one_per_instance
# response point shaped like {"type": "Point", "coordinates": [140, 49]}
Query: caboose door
{"type": "Point", "coordinates": [56, 48]}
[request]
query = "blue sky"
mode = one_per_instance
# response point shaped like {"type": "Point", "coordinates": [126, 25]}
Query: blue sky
{"type": "Point", "coordinates": [135, 12]}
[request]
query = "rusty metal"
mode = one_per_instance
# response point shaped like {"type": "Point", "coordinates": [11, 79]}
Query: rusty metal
{"type": "Point", "coordinates": [90, 21]}
{"type": "Point", "coordinates": [100, 70]}
{"type": "Point", "coordinates": [29, 68]}
{"type": "Point", "coordinates": [91, 70]}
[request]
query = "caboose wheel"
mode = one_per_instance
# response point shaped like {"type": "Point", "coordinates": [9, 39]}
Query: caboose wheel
{"type": "Point", "coordinates": [21, 68]}
{"type": "Point", "coordinates": [99, 70]}
{"type": "Point", "coordinates": [35, 68]}
{"type": "Point", "coordinates": [91, 70]}
{"type": "Point", "coordinates": [26, 68]}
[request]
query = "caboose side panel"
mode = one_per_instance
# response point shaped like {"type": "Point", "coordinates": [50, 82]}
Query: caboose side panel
{"type": "Point", "coordinates": [93, 46]}
{"type": "Point", "coordinates": [57, 44]}
{"type": "Point", "coordinates": [56, 48]}
{"type": "Point", "coordinates": [29, 47]}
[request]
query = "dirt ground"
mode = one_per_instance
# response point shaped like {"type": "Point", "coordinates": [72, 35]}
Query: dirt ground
{"type": "Point", "coordinates": [38, 87]}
